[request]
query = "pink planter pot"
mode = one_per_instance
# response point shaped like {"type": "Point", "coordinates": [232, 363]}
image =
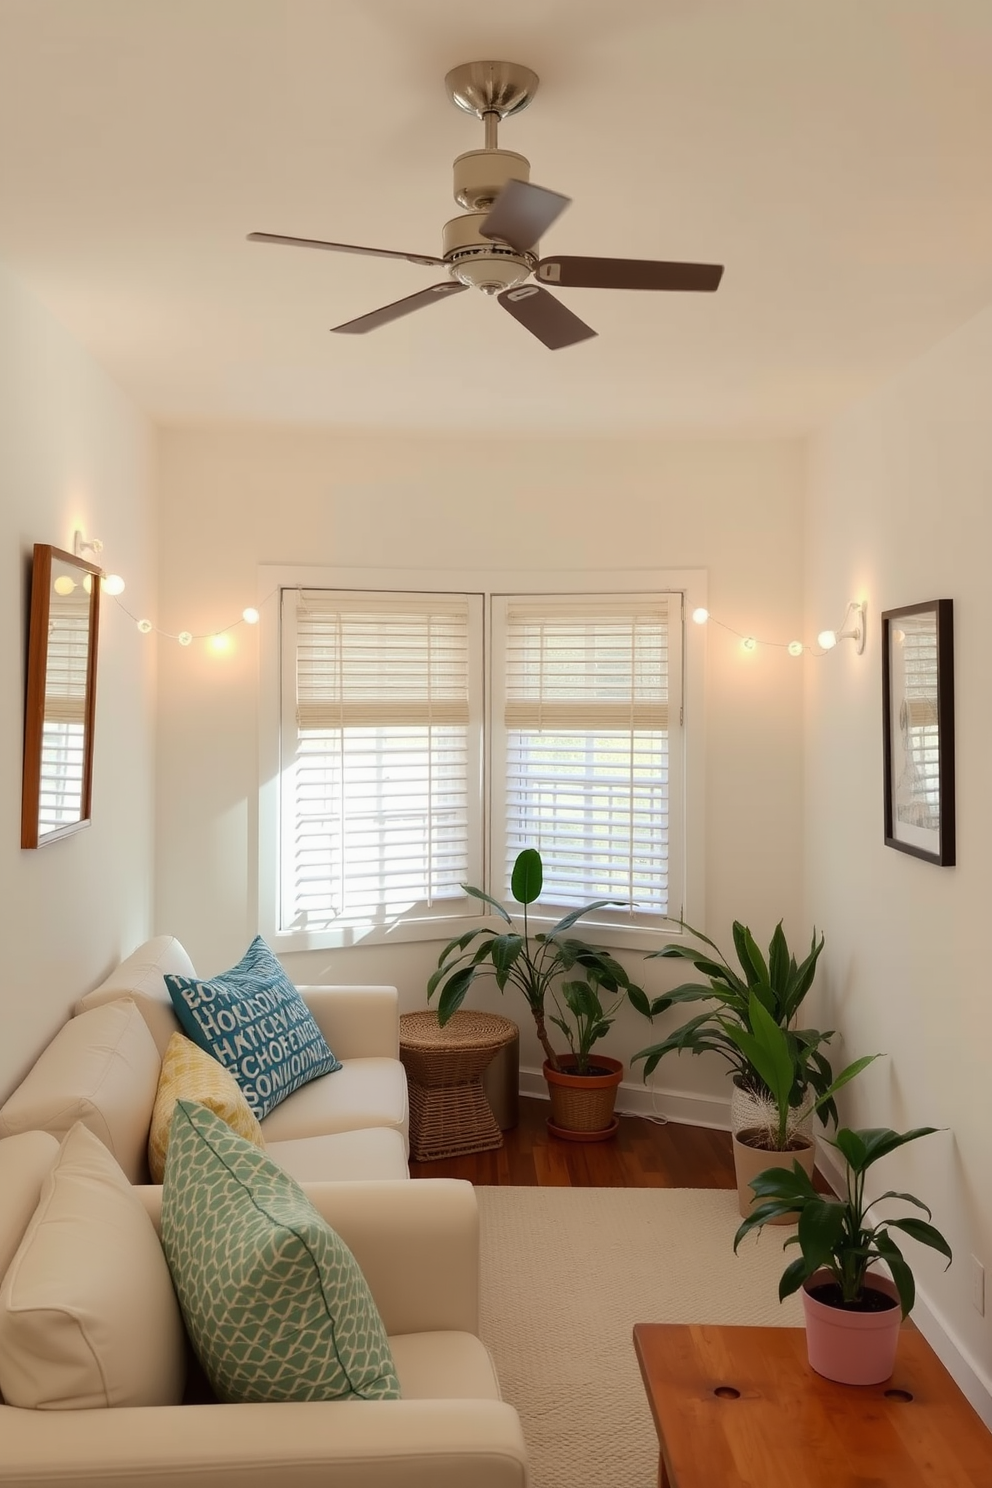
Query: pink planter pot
{"type": "Point", "coordinates": [853, 1348]}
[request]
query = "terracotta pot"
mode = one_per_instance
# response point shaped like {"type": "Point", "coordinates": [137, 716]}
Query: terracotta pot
{"type": "Point", "coordinates": [749, 1161]}
{"type": "Point", "coordinates": [583, 1105]}
{"type": "Point", "coordinates": [853, 1348]}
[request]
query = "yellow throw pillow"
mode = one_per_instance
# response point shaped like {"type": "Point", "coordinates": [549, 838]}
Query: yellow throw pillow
{"type": "Point", "coordinates": [189, 1073]}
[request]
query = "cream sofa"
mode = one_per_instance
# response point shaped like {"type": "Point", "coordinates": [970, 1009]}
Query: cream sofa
{"type": "Point", "coordinates": [103, 1066]}
{"type": "Point", "coordinates": [418, 1246]}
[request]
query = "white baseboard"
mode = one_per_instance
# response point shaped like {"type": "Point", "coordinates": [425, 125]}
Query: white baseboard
{"type": "Point", "coordinates": [634, 1098]}
{"type": "Point", "coordinates": [970, 1377]}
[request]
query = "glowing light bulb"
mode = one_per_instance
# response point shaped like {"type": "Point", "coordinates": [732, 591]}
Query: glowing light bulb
{"type": "Point", "coordinates": [250, 616]}
{"type": "Point", "coordinates": [700, 615]}
{"type": "Point", "coordinates": [144, 626]}
{"type": "Point", "coordinates": [827, 639]}
{"type": "Point", "coordinates": [220, 643]}
{"type": "Point", "coordinates": [749, 643]}
{"type": "Point", "coordinates": [63, 585]}
{"type": "Point", "coordinates": [113, 584]}
{"type": "Point", "coordinates": [88, 583]}
{"type": "Point", "coordinates": [795, 648]}
{"type": "Point", "coordinates": [898, 636]}
{"type": "Point", "coordinates": [184, 638]}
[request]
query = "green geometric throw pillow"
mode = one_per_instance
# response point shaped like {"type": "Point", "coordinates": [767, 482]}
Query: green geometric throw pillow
{"type": "Point", "coordinates": [274, 1300]}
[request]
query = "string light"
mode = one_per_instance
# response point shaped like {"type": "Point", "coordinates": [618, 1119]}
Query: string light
{"type": "Point", "coordinates": [853, 629]}
{"type": "Point", "coordinates": [219, 641]}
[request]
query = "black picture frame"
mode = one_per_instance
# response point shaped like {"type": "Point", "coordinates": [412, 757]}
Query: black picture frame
{"type": "Point", "coordinates": [918, 730]}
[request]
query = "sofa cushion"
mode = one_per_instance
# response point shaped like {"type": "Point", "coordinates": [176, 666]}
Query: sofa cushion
{"type": "Point", "coordinates": [252, 1019]}
{"type": "Point", "coordinates": [190, 1074]}
{"type": "Point", "coordinates": [377, 1152]}
{"type": "Point", "coordinates": [25, 1162]}
{"type": "Point", "coordinates": [102, 1069]}
{"type": "Point", "coordinates": [142, 977]}
{"type": "Point", "coordinates": [274, 1301]}
{"type": "Point", "coordinates": [88, 1316]}
{"type": "Point", "coordinates": [364, 1092]}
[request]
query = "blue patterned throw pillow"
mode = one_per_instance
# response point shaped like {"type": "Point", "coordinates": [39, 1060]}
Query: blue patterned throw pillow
{"type": "Point", "coordinates": [255, 1023]}
{"type": "Point", "coordinates": [274, 1301]}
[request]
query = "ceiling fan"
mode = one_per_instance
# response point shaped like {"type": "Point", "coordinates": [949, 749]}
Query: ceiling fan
{"type": "Point", "coordinates": [493, 245]}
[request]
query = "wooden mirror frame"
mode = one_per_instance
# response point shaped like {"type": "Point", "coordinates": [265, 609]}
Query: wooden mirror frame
{"type": "Point", "coordinates": [40, 625]}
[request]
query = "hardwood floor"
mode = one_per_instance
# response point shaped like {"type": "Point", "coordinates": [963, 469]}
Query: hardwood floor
{"type": "Point", "coordinates": [643, 1154]}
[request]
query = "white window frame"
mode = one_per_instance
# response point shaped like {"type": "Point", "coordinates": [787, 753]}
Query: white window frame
{"type": "Point", "coordinates": [687, 803]}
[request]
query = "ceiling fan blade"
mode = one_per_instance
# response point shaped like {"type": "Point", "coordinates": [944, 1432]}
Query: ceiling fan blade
{"type": "Point", "coordinates": [544, 316]}
{"type": "Point", "coordinates": [398, 308]}
{"type": "Point", "coordinates": [417, 258]}
{"type": "Point", "coordinates": [627, 273]}
{"type": "Point", "coordinates": [521, 213]}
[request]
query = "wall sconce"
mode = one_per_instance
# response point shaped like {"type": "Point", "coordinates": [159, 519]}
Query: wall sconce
{"type": "Point", "coordinates": [853, 628]}
{"type": "Point", "coordinates": [81, 546]}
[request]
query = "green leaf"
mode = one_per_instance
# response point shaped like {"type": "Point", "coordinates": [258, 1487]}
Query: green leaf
{"type": "Point", "coordinates": [571, 919]}
{"type": "Point", "coordinates": [851, 1147]}
{"type": "Point", "coordinates": [789, 1184]}
{"type": "Point", "coordinates": [778, 968]}
{"type": "Point", "coordinates": [527, 878]}
{"type": "Point", "coordinates": [843, 1078]}
{"type": "Point", "coordinates": [881, 1140]}
{"type": "Point", "coordinates": [638, 999]}
{"type": "Point", "coordinates": [892, 1194]}
{"type": "Point", "coordinates": [821, 1225]}
{"type": "Point", "coordinates": [505, 950]}
{"type": "Point", "coordinates": [792, 1278]}
{"type": "Point", "coordinates": [802, 976]}
{"type": "Point", "coordinates": [749, 955]}
{"type": "Point", "coordinates": [918, 1229]}
{"type": "Point", "coordinates": [453, 993]}
{"type": "Point", "coordinates": [760, 1215]}
{"type": "Point", "coordinates": [901, 1274]}
{"type": "Point", "coordinates": [488, 899]}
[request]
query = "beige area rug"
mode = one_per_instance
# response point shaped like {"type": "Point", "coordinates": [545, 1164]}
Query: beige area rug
{"type": "Point", "coordinates": [567, 1272]}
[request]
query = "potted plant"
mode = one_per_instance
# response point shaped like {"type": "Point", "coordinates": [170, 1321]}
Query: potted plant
{"type": "Point", "coordinates": [553, 965]}
{"type": "Point", "coordinates": [853, 1315]}
{"type": "Point", "coordinates": [780, 983]}
{"type": "Point", "coordinates": [780, 1059]}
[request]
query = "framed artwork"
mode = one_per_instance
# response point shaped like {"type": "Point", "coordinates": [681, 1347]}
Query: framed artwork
{"type": "Point", "coordinates": [918, 729]}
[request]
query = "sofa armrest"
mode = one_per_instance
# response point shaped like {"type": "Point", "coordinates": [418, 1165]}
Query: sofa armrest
{"type": "Point", "coordinates": [357, 1022]}
{"type": "Point", "coordinates": [381, 1443]}
{"type": "Point", "coordinates": [417, 1244]}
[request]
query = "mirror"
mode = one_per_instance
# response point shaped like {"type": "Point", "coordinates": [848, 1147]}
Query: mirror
{"type": "Point", "coordinates": [61, 696]}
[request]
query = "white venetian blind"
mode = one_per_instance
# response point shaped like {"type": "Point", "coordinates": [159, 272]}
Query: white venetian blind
{"type": "Point", "coordinates": [918, 790]}
{"type": "Point", "coordinates": [587, 733]}
{"type": "Point", "coordinates": [376, 824]}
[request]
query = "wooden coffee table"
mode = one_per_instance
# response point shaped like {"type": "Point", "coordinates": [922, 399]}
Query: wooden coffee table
{"type": "Point", "coordinates": [735, 1407]}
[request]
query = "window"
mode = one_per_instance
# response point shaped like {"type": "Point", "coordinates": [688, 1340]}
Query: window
{"type": "Point", "coordinates": [581, 758]}
{"type": "Point", "coordinates": [428, 735]}
{"type": "Point", "coordinates": [381, 764]}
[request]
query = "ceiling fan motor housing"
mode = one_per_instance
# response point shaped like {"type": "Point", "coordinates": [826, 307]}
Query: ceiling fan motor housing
{"type": "Point", "coordinates": [480, 176]}
{"type": "Point", "coordinates": [480, 262]}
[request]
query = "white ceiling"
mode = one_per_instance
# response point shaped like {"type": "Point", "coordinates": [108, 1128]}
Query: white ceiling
{"type": "Point", "coordinates": [833, 154]}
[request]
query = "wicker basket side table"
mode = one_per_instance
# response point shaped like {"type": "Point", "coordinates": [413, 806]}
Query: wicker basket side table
{"type": "Point", "coordinates": [449, 1113]}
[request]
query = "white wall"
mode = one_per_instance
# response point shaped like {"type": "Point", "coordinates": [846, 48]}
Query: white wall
{"type": "Point", "coordinates": [234, 499]}
{"type": "Point", "coordinates": [900, 511]}
{"type": "Point", "coordinates": [73, 453]}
